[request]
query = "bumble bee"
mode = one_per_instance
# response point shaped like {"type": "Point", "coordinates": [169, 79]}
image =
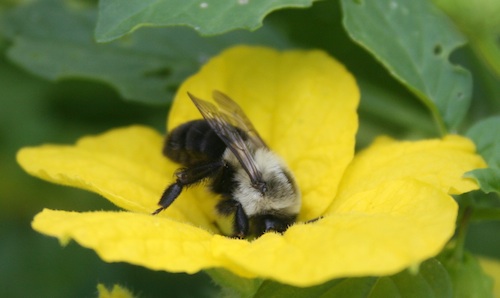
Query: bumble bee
{"type": "Point", "coordinates": [225, 150]}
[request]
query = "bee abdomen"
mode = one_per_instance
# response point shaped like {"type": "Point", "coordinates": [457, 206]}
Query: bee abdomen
{"type": "Point", "coordinates": [192, 143]}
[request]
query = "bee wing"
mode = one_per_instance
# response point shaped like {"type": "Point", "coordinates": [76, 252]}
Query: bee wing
{"type": "Point", "coordinates": [221, 124]}
{"type": "Point", "coordinates": [240, 118]}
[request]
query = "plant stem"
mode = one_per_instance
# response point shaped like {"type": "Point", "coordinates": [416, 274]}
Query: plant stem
{"type": "Point", "coordinates": [458, 253]}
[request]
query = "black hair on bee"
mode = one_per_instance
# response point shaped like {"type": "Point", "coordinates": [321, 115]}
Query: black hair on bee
{"type": "Point", "coordinates": [225, 150]}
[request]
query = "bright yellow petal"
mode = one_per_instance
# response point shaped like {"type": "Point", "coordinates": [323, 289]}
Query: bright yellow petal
{"type": "Point", "coordinates": [371, 239]}
{"type": "Point", "coordinates": [303, 103]}
{"type": "Point", "coordinates": [123, 165]}
{"type": "Point", "coordinates": [439, 162]}
{"type": "Point", "coordinates": [151, 241]}
{"type": "Point", "coordinates": [374, 240]}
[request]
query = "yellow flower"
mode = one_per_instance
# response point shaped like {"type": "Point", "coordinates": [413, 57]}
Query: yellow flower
{"type": "Point", "coordinates": [116, 292]}
{"type": "Point", "coordinates": [384, 210]}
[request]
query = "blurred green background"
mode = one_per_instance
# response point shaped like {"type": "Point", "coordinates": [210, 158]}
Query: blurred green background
{"type": "Point", "coordinates": [34, 111]}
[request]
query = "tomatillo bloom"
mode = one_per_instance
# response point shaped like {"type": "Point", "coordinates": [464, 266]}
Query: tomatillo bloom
{"type": "Point", "coordinates": [384, 210]}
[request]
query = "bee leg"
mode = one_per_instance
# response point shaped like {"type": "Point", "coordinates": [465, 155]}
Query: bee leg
{"type": "Point", "coordinates": [240, 222]}
{"type": "Point", "coordinates": [186, 177]}
{"type": "Point", "coordinates": [168, 196]}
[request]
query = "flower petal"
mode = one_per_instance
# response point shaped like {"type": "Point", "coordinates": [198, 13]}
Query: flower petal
{"type": "Point", "coordinates": [150, 241]}
{"type": "Point", "coordinates": [380, 241]}
{"type": "Point", "coordinates": [439, 162]}
{"type": "Point", "coordinates": [124, 165]}
{"type": "Point", "coordinates": [116, 292]}
{"type": "Point", "coordinates": [303, 103]}
{"type": "Point", "coordinates": [365, 241]}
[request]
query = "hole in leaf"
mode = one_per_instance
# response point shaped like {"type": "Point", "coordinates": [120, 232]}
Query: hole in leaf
{"type": "Point", "coordinates": [437, 49]}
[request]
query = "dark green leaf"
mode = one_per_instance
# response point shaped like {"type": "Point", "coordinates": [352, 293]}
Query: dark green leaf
{"type": "Point", "coordinates": [432, 280]}
{"type": "Point", "coordinates": [209, 17]}
{"type": "Point", "coordinates": [467, 276]}
{"type": "Point", "coordinates": [54, 40]}
{"type": "Point", "coordinates": [413, 39]}
{"type": "Point", "coordinates": [485, 136]}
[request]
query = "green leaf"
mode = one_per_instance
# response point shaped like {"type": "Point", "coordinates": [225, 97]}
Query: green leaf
{"type": "Point", "coordinates": [413, 40]}
{"type": "Point", "coordinates": [233, 285]}
{"type": "Point", "coordinates": [432, 280]}
{"type": "Point", "coordinates": [488, 179]}
{"type": "Point", "coordinates": [479, 21]}
{"type": "Point", "coordinates": [54, 40]}
{"type": "Point", "coordinates": [485, 136]}
{"type": "Point", "coordinates": [209, 17]}
{"type": "Point", "coordinates": [467, 276]}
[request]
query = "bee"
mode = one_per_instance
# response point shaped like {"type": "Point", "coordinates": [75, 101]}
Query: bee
{"type": "Point", "coordinates": [225, 150]}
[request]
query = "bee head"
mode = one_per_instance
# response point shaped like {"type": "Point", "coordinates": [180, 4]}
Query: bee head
{"type": "Point", "coordinates": [276, 191]}
{"type": "Point", "coordinates": [271, 223]}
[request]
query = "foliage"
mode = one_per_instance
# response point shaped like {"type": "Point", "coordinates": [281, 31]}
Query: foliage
{"type": "Point", "coordinates": [67, 66]}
